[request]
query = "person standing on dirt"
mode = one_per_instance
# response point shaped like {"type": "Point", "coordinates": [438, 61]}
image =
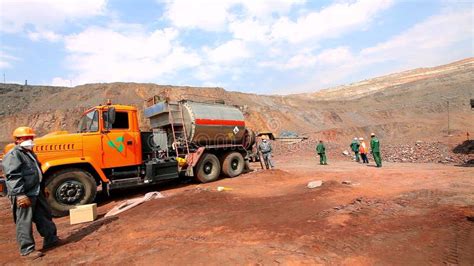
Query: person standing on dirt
{"type": "Point", "coordinates": [27, 195]}
{"type": "Point", "coordinates": [321, 150]}
{"type": "Point", "coordinates": [375, 149]}
{"type": "Point", "coordinates": [355, 148]}
{"type": "Point", "coordinates": [266, 148]}
{"type": "Point", "coordinates": [363, 150]}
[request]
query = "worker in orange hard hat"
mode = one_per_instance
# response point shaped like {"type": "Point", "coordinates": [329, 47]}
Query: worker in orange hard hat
{"type": "Point", "coordinates": [24, 181]}
{"type": "Point", "coordinates": [22, 132]}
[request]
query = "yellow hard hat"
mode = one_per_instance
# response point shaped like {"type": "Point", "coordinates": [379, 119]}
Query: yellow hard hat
{"type": "Point", "coordinates": [23, 132]}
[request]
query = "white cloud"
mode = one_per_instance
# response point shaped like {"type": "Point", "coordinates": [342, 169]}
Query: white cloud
{"type": "Point", "coordinates": [212, 15]}
{"type": "Point", "coordinates": [45, 14]}
{"type": "Point", "coordinates": [44, 35]}
{"type": "Point", "coordinates": [229, 52]}
{"type": "Point", "coordinates": [306, 59]}
{"type": "Point", "coordinates": [207, 72]}
{"type": "Point", "coordinates": [204, 14]}
{"type": "Point", "coordinates": [6, 59]}
{"type": "Point", "coordinates": [106, 55]}
{"type": "Point", "coordinates": [437, 34]}
{"type": "Point", "coordinates": [335, 56]}
{"type": "Point", "coordinates": [250, 30]}
{"type": "Point", "coordinates": [222, 60]}
{"type": "Point", "coordinates": [60, 82]}
{"type": "Point", "coordinates": [326, 58]}
{"type": "Point", "coordinates": [331, 21]}
{"type": "Point", "coordinates": [264, 8]}
{"type": "Point", "coordinates": [439, 39]}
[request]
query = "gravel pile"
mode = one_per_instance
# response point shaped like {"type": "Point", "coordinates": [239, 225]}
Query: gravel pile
{"type": "Point", "coordinates": [423, 152]}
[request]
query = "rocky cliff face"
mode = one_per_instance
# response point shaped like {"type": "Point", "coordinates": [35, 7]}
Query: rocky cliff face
{"type": "Point", "coordinates": [409, 105]}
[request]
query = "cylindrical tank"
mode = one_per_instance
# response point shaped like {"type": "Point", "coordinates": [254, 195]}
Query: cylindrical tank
{"type": "Point", "coordinates": [213, 124]}
{"type": "Point", "coordinates": [206, 124]}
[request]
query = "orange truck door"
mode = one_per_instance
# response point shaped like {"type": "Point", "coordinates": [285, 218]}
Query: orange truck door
{"type": "Point", "coordinates": [120, 143]}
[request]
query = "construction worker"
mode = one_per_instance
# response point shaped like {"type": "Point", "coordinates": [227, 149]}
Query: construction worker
{"type": "Point", "coordinates": [363, 150]}
{"type": "Point", "coordinates": [321, 150]}
{"type": "Point", "coordinates": [266, 148]}
{"type": "Point", "coordinates": [26, 193]}
{"type": "Point", "coordinates": [375, 150]}
{"type": "Point", "coordinates": [355, 148]}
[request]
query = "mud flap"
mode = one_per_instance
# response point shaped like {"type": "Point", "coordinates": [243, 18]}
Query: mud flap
{"type": "Point", "coordinates": [190, 171]}
{"type": "Point", "coordinates": [3, 187]}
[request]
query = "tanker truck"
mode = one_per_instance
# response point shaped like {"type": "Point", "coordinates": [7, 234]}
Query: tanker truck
{"type": "Point", "coordinates": [203, 140]}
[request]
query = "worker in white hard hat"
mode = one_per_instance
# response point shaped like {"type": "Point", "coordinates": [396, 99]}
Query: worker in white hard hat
{"type": "Point", "coordinates": [363, 150]}
{"type": "Point", "coordinates": [355, 148]}
{"type": "Point", "coordinates": [266, 148]}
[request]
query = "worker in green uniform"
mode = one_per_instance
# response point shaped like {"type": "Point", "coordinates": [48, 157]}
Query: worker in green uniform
{"type": "Point", "coordinates": [355, 148]}
{"type": "Point", "coordinates": [375, 149]}
{"type": "Point", "coordinates": [321, 150]}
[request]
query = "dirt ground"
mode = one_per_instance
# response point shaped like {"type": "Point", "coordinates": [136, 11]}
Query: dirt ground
{"type": "Point", "coordinates": [401, 214]}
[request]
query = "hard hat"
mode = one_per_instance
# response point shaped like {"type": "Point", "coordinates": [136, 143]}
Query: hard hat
{"type": "Point", "coordinates": [23, 132]}
{"type": "Point", "coordinates": [355, 138]}
{"type": "Point", "coordinates": [372, 134]}
{"type": "Point", "coordinates": [361, 138]}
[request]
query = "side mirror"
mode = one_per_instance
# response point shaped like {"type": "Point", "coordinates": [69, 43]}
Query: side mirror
{"type": "Point", "coordinates": [111, 115]}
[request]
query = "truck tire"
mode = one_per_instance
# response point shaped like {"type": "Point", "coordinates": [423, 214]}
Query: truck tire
{"type": "Point", "coordinates": [70, 187]}
{"type": "Point", "coordinates": [233, 164]}
{"type": "Point", "coordinates": [208, 169]}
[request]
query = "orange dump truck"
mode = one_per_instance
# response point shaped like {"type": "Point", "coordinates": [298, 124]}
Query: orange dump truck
{"type": "Point", "coordinates": [201, 139]}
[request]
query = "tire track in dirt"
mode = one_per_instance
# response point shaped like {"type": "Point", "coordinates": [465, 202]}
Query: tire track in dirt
{"type": "Point", "coordinates": [461, 246]}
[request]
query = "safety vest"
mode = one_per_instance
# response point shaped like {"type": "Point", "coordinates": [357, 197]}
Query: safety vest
{"type": "Point", "coordinates": [362, 148]}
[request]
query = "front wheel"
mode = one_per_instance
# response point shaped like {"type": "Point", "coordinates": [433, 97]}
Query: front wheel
{"type": "Point", "coordinates": [68, 188]}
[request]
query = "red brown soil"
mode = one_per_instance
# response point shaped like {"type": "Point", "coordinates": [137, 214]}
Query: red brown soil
{"type": "Point", "coordinates": [408, 214]}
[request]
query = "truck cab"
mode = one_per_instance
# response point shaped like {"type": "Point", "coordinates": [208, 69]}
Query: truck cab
{"type": "Point", "coordinates": [111, 136]}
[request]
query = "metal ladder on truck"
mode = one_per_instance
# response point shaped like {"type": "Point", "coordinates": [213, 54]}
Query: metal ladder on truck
{"type": "Point", "coordinates": [176, 140]}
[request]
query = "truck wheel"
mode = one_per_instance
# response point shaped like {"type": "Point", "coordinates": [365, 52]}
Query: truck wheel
{"type": "Point", "coordinates": [233, 164]}
{"type": "Point", "coordinates": [70, 187]}
{"type": "Point", "coordinates": [208, 168]}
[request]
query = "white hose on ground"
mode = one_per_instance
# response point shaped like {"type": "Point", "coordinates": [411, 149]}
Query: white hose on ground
{"type": "Point", "coordinates": [128, 204]}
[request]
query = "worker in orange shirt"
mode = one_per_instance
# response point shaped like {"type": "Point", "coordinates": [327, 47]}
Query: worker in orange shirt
{"type": "Point", "coordinates": [363, 150]}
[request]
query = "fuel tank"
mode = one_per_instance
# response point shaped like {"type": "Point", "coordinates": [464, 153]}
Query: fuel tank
{"type": "Point", "coordinates": [206, 124]}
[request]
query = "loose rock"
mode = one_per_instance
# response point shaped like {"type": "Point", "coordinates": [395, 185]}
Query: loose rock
{"type": "Point", "coordinates": [314, 184]}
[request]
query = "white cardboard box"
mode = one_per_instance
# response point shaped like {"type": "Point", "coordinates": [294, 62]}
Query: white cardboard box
{"type": "Point", "coordinates": [83, 213]}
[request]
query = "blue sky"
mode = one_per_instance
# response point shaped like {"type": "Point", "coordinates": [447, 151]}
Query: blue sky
{"type": "Point", "coordinates": [265, 46]}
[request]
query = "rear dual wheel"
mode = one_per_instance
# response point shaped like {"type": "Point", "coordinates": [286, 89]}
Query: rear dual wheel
{"type": "Point", "coordinates": [233, 164]}
{"type": "Point", "coordinates": [208, 168]}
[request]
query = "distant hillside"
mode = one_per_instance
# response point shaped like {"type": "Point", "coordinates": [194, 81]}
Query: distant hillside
{"type": "Point", "coordinates": [366, 87]}
{"type": "Point", "coordinates": [399, 107]}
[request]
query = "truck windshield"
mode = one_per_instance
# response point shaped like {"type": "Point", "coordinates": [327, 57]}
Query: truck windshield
{"type": "Point", "coordinates": [89, 122]}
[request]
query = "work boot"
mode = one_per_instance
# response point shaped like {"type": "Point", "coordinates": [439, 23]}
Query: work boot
{"type": "Point", "coordinates": [33, 255]}
{"type": "Point", "coordinates": [57, 243]}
